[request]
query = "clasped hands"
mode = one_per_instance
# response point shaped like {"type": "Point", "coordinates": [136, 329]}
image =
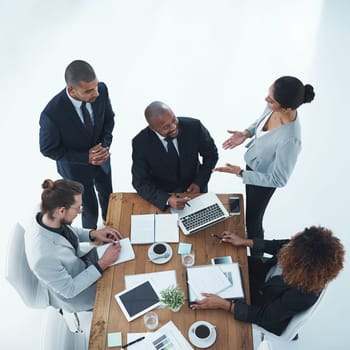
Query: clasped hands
{"type": "Point", "coordinates": [98, 154]}
{"type": "Point", "coordinates": [177, 201]}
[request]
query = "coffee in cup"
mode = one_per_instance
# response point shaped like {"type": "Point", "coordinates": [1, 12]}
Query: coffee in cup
{"type": "Point", "coordinates": [202, 331]}
{"type": "Point", "coordinates": [159, 248]}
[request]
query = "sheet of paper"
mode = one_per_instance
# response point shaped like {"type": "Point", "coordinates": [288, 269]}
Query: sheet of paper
{"type": "Point", "coordinates": [207, 279]}
{"type": "Point", "coordinates": [166, 228]}
{"type": "Point", "coordinates": [142, 229]}
{"type": "Point", "coordinates": [167, 337]}
{"type": "Point", "coordinates": [161, 280]}
{"type": "Point", "coordinates": [139, 345]}
{"type": "Point", "coordinates": [126, 251]}
{"type": "Point", "coordinates": [233, 274]}
{"type": "Point", "coordinates": [114, 339]}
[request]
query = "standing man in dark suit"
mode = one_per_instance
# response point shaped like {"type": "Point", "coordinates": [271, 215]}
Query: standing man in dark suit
{"type": "Point", "coordinates": [76, 131]}
{"type": "Point", "coordinates": [166, 157]}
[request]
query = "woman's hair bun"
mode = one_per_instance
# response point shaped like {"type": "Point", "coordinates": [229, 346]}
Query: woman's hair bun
{"type": "Point", "coordinates": [309, 93]}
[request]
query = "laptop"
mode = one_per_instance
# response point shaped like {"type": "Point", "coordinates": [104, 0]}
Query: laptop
{"type": "Point", "coordinates": [204, 211]}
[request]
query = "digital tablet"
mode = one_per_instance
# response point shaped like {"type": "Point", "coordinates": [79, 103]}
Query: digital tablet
{"type": "Point", "coordinates": [137, 300]}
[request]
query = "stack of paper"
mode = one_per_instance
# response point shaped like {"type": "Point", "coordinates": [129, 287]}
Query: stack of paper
{"type": "Point", "coordinates": [150, 228]}
{"type": "Point", "coordinates": [220, 279]}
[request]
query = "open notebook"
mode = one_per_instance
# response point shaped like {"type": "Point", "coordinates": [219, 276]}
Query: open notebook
{"type": "Point", "coordinates": [204, 211]}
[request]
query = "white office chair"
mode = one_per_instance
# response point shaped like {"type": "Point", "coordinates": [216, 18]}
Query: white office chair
{"type": "Point", "coordinates": [56, 335]}
{"type": "Point", "coordinates": [292, 329]}
{"type": "Point", "coordinates": [21, 277]}
{"type": "Point", "coordinates": [19, 274]}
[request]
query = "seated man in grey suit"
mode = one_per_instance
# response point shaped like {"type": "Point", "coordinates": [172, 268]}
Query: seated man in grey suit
{"type": "Point", "coordinates": [54, 254]}
{"type": "Point", "coordinates": [166, 154]}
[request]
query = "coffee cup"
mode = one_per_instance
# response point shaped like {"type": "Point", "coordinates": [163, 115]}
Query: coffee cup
{"type": "Point", "coordinates": [159, 248]}
{"type": "Point", "coordinates": [203, 331]}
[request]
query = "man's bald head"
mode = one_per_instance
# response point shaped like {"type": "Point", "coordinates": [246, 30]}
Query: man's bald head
{"type": "Point", "coordinates": [161, 119]}
{"type": "Point", "coordinates": [156, 109]}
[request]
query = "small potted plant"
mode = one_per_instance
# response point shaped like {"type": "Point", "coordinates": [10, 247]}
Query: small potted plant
{"type": "Point", "coordinates": [172, 297]}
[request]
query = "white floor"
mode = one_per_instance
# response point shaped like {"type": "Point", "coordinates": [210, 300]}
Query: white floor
{"type": "Point", "coordinates": [208, 59]}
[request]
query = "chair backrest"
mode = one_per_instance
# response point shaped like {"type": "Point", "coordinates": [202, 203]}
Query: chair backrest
{"type": "Point", "coordinates": [56, 335]}
{"type": "Point", "coordinates": [295, 323]}
{"type": "Point", "coordinates": [300, 319]}
{"type": "Point", "coordinates": [19, 274]}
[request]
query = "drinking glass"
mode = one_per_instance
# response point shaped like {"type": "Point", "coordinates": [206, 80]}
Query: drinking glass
{"type": "Point", "coordinates": [187, 259]}
{"type": "Point", "coordinates": [151, 320]}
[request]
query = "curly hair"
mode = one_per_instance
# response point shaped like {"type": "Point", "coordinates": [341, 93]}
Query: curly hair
{"type": "Point", "coordinates": [311, 259]}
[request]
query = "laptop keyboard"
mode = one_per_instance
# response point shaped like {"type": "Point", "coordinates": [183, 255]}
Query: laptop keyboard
{"type": "Point", "coordinates": [202, 217]}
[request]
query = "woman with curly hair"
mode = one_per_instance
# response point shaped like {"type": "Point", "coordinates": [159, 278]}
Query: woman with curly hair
{"type": "Point", "coordinates": [287, 283]}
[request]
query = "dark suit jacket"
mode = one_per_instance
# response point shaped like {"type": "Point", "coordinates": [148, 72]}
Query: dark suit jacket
{"type": "Point", "coordinates": [279, 301]}
{"type": "Point", "coordinates": [152, 178]}
{"type": "Point", "coordinates": [63, 136]}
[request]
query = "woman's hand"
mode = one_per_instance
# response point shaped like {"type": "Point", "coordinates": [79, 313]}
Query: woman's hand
{"type": "Point", "coordinates": [228, 168]}
{"type": "Point", "coordinates": [236, 139]}
{"type": "Point", "coordinates": [235, 240]}
{"type": "Point", "coordinates": [211, 301]}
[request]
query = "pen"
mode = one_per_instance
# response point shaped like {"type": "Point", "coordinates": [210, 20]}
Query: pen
{"type": "Point", "coordinates": [132, 342]}
{"type": "Point", "coordinates": [216, 236]}
{"type": "Point", "coordinates": [178, 196]}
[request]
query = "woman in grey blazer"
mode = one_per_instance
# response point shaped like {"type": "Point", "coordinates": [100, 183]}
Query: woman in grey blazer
{"type": "Point", "coordinates": [273, 150]}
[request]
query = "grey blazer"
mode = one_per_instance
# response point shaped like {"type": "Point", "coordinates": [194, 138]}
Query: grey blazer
{"type": "Point", "coordinates": [272, 156]}
{"type": "Point", "coordinates": [70, 284]}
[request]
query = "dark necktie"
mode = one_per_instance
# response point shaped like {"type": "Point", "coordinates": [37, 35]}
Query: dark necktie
{"type": "Point", "coordinates": [173, 156]}
{"type": "Point", "coordinates": [87, 118]}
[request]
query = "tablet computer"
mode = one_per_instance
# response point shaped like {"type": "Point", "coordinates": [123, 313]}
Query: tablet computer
{"type": "Point", "coordinates": [138, 299]}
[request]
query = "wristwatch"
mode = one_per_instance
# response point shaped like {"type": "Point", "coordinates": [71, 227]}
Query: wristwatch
{"type": "Point", "coordinates": [240, 174]}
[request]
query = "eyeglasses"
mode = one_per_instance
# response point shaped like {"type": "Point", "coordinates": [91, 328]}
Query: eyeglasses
{"type": "Point", "coordinates": [80, 208]}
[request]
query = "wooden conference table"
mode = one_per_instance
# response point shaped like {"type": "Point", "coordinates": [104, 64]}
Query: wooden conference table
{"type": "Point", "coordinates": [108, 317]}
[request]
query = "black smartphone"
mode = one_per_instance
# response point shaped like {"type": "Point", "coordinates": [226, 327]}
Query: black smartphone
{"type": "Point", "coordinates": [234, 205]}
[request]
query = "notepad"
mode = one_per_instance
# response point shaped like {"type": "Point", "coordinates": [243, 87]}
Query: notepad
{"type": "Point", "coordinates": [150, 228]}
{"type": "Point", "coordinates": [126, 251]}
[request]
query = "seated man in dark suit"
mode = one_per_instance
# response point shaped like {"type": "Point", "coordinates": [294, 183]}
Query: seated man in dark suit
{"type": "Point", "coordinates": [286, 284]}
{"type": "Point", "coordinates": [76, 131]}
{"type": "Point", "coordinates": [166, 157]}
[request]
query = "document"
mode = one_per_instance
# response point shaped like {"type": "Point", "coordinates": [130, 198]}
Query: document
{"type": "Point", "coordinates": [168, 337]}
{"type": "Point", "coordinates": [150, 228]}
{"type": "Point", "coordinates": [126, 251]}
{"type": "Point", "coordinates": [234, 291]}
{"type": "Point", "coordinates": [161, 280]}
{"type": "Point", "coordinates": [206, 279]}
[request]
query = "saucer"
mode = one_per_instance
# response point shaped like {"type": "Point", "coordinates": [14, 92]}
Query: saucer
{"type": "Point", "coordinates": [200, 343]}
{"type": "Point", "coordinates": [160, 258]}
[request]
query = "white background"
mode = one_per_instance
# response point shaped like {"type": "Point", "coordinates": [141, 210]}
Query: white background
{"type": "Point", "coordinates": [213, 60]}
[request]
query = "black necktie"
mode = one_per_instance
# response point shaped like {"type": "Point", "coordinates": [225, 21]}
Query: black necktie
{"type": "Point", "coordinates": [173, 156]}
{"type": "Point", "coordinates": [87, 118]}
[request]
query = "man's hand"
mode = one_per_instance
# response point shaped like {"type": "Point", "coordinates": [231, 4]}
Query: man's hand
{"type": "Point", "coordinates": [177, 202]}
{"type": "Point", "coordinates": [110, 256]}
{"type": "Point", "coordinates": [193, 188]}
{"type": "Point", "coordinates": [98, 154]}
{"type": "Point", "coordinates": [106, 235]}
{"type": "Point", "coordinates": [236, 139]}
{"type": "Point", "coordinates": [211, 301]}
